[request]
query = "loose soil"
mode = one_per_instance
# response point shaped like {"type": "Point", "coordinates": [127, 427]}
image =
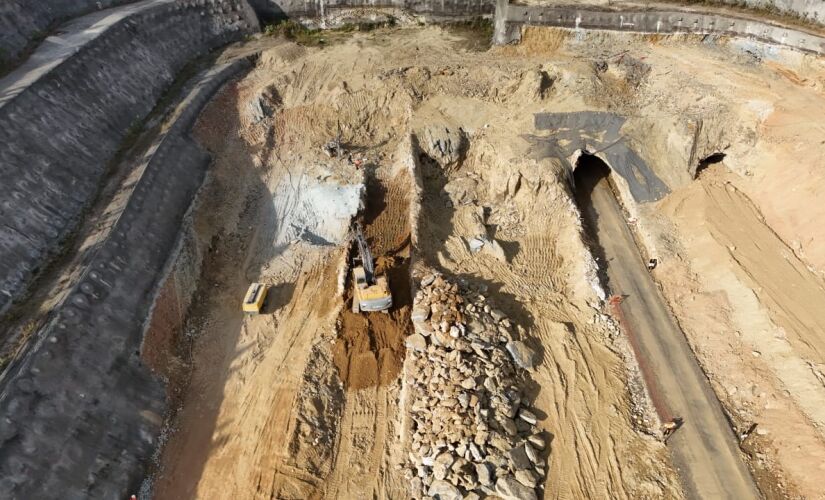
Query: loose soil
{"type": "Point", "coordinates": [370, 348]}
{"type": "Point", "coordinates": [307, 399]}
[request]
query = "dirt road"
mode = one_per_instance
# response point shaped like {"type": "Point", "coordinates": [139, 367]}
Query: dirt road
{"type": "Point", "coordinates": [704, 449]}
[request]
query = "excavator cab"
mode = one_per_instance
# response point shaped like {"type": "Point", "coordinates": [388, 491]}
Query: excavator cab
{"type": "Point", "coordinates": [370, 293]}
{"type": "Point", "coordinates": [360, 277]}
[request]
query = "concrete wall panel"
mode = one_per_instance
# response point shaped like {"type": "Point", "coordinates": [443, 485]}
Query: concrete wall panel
{"type": "Point", "coordinates": [813, 10]}
{"type": "Point", "coordinates": [270, 10]}
{"type": "Point", "coordinates": [650, 21]}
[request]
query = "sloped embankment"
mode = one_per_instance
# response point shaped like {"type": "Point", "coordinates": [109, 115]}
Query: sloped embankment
{"type": "Point", "coordinates": [81, 411]}
{"type": "Point", "coordinates": [58, 135]}
{"type": "Point", "coordinates": [23, 22]}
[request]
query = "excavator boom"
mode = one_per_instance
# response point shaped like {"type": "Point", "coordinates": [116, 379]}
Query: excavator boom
{"type": "Point", "coordinates": [366, 256]}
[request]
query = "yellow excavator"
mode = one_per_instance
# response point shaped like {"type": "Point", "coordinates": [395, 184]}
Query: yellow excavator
{"type": "Point", "coordinates": [370, 292]}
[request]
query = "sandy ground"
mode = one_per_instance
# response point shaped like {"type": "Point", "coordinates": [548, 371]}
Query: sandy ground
{"type": "Point", "coordinates": [741, 265]}
{"type": "Point", "coordinates": [304, 401]}
{"type": "Point", "coordinates": [746, 277]}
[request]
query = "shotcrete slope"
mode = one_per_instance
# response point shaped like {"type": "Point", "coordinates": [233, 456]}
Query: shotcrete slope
{"type": "Point", "coordinates": [58, 135]}
{"type": "Point", "coordinates": [62, 45]}
{"type": "Point", "coordinates": [22, 22]}
{"type": "Point", "coordinates": [82, 412]}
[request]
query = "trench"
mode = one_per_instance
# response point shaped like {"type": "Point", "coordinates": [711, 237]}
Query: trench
{"type": "Point", "coordinates": [704, 449]}
{"type": "Point", "coordinates": [370, 349]}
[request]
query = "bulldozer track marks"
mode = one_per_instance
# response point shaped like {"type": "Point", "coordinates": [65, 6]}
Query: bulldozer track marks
{"type": "Point", "coordinates": [361, 445]}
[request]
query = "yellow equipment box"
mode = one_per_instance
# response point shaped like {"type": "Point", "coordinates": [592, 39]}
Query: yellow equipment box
{"type": "Point", "coordinates": [255, 296]}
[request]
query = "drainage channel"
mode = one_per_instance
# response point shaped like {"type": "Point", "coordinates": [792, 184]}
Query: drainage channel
{"type": "Point", "coordinates": [704, 448]}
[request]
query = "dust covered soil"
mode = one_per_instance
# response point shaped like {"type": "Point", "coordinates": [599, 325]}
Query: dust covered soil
{"type": "Point", "coordinates": [447, 173]}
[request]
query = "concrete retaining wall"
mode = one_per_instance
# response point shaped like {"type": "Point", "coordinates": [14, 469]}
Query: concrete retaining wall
{"type": "Point", "coordinates": [813, 10]}
{"type": "Point", "coordinates": [510, 18]}
{"type": "Point", "coordinates": [81, 412]}
{"type": "Point", "coordinates": [22, 22]}
{"type": "Point", "coordinates": [58, 135]}
{"type": "Point", "coordinates": [161, 340]}
{"type": "Point", "coordinates": [271, 10]}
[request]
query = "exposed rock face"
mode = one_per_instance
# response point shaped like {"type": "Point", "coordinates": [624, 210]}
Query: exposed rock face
{"type": "Point", "coordinates": [445, 144]}
{"type": "Point", "coordinates": [473, 434]}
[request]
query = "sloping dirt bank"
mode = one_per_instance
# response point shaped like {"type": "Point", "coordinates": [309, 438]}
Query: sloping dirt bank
{"type": "Point", "coordinates": [248, 383]}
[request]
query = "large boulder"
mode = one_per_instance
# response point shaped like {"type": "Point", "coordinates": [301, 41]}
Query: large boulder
{"type": "Point", "coordinates": [416, 342]}
{"type": "Point", "coordinates": [442, 490]}
{"type": "Point", "coordinates": [508, 488]}
{"type": "Point", "coordinates": [522, 355]}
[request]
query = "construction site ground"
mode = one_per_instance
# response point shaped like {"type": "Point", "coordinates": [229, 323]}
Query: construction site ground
{"type": "Point", "coordinates": [307, 400]}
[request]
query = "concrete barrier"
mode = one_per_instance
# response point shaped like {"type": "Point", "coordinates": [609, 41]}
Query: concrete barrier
{"type": "Point", "coordinates": [812, 10]}
{"type": "Point", "coordinates": [81, 412]}
{"type": "Point", "coordinates": [510, 18]}
{"type": "Point", "coordinates": [59, 132]}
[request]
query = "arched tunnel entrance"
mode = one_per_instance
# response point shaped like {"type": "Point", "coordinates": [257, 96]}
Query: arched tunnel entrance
{"type": "Point", "coordinates": [588, 172]}
{"type": "Point", "coordinates": [591, 173]}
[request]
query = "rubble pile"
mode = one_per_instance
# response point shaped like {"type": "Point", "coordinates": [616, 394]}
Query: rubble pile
{"type": "Point", "coordinates": [472, 433]}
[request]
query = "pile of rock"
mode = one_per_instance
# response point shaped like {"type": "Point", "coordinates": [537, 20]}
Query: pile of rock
{"type": "Point", "coordinates": [472, 433]}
